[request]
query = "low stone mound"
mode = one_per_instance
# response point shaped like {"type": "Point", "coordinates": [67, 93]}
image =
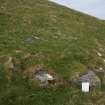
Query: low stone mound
{"type": "Point", "coordinates": [90, 77]}
{"type": "Point", "coordinates": [45, 77]}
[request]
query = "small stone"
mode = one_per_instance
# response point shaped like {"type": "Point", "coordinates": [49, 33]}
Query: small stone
{"type": "Point", "coordinates": [36, 37]}
{"type": "Point", "coordinates": [26, 56]}
{"type": "Point", "coordinates": [101, 49]}
{"type": "Point", "coordinates": [104, 60]}
{"type": "Point", "coordinates": [13, 64]}
{"type": "Point", "coordinates": [17, 51]}
{"type": "Point", "coordinates": [100, 68]}
{"type": "Point", "coordinates": [9, 64]}
{"type": "Point", "coordinates": [99, 54]}
{"type": "Point", "coordinates": [29, 40]}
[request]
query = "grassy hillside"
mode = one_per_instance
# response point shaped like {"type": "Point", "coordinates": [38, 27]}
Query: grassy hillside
{"type": "Point", "coordinates": [60, 39]}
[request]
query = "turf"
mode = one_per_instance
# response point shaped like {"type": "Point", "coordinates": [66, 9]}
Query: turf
{"type": "Point", "coordinates": [62, 39]}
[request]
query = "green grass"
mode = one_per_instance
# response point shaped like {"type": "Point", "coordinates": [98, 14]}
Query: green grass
{"type": "Point", "coordinates": [68, 43]}
{"type": "Point", "coordinates": [21, 91]}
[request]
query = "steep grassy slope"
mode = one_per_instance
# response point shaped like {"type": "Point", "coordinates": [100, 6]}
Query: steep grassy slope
{"type": "Point", "coordinates": [63, 40]}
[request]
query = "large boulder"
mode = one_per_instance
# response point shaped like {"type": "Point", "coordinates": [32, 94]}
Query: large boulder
{"type": "Point", "coordinates": [90, 77]}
